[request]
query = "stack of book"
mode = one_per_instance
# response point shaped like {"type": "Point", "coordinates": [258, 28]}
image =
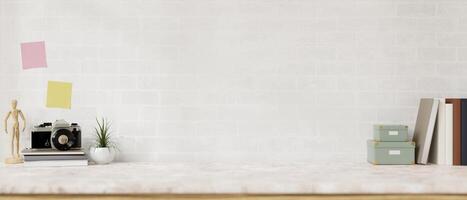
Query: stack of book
{"type": "Point", "coordinates": [54, 158]}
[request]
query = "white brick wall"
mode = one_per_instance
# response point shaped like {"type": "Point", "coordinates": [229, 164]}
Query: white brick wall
{"type": "Point", "coordinates": [239, 80]}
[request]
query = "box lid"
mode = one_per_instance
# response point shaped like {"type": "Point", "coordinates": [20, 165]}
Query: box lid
{"type": "Point", "coordinates": [390, 126]}
{"type": "Point", "coordinates": [377, 144]}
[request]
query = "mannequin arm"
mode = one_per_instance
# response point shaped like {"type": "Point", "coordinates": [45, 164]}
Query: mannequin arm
{"type": "Point", "coordinates": [5, 122]}
{"type": "Point", "coordinates": [24, 120]}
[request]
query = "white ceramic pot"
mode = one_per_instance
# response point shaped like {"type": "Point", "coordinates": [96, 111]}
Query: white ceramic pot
{"type": "Point", "coordinates": [102, 155]}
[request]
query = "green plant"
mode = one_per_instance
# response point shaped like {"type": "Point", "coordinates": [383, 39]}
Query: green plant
{"type": "Point", "coordinates": [103, 136]}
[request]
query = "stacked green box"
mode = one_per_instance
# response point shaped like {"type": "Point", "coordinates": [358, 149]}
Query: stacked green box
{"type": "Point", "coordinates": [391, 146]}
{"type": "Point", "coordinates": [391, 133]}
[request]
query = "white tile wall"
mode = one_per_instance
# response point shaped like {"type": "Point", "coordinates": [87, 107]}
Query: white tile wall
{"type": "Point", "coordinates": [239, 80]}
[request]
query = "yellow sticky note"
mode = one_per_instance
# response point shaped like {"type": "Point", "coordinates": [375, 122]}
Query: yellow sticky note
{"type": "Point", "coordinates": [59, 94]}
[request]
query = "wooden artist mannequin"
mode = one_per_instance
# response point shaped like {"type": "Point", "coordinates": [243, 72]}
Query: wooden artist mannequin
{"type": "Point", "coordinates": [14, 113]}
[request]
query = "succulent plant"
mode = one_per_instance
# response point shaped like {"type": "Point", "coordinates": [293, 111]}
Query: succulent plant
{"type": "Point", "coordinates": [103, 134]}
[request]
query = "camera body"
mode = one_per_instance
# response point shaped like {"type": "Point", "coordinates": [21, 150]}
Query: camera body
{"type": "Point", "coordinates": [59, 135]}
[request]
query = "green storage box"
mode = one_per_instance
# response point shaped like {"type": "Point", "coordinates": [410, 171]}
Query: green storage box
{"type": "Point", "coordinates": [391, 133]}
{"type": "Point", "coordinates": [390, 153]}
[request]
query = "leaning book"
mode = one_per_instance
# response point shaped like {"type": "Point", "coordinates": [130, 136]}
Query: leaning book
{"type": "Point", "coordinates": [424, 128]}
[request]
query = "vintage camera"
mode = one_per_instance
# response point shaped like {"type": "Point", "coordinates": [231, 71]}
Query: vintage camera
{"type": "Point", "coordinates": [59, 135]}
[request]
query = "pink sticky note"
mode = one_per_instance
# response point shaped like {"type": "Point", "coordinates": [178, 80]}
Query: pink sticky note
{"type": "Point", "coordinates": [33, 55]}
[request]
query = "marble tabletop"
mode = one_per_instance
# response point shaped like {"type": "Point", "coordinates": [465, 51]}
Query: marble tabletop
{"type": "Point", "coordinates": [234, 178]}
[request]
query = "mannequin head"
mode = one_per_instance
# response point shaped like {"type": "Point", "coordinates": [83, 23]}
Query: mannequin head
{"type": "Point", "coordinates": [14, 103]}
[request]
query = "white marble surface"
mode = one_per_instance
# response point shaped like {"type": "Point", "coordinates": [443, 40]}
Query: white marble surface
{"type": "Point", "coordinates": [252, 178]}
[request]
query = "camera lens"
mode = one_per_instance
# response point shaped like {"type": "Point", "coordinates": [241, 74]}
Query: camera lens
{"type": "Point", "coordinates": [63, 139]}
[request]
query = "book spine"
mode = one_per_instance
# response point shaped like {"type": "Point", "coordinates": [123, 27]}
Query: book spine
{"type": "Point", "coordinates": [38, 158]}
{"type": "Point", "coordinates": [449, 134]}
{"type": "Point", "coordinates": [441, 134]}
{"type": "Point", "coordinates": [464, 132]}
{"type": "Point", "coordinates": [56, 163]}
{"type": "Point", "coordinates": [438, 145]}
{"type": "Point", "coordinates": [456, 131]}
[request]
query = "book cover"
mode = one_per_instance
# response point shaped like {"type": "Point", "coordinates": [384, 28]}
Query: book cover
{"type": "Point", "coordinates": [438, 144]}
{"type": "Point", "coordinates": [449, 133]}
{"type": "Point", "coordinates": [56, 163]}
{"type": "Point", "coordinates": [456, 130]}
{"type": "Point", "coordinates": [424, 127]}
{"type": "Point", "coordinates": [464, 132]}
